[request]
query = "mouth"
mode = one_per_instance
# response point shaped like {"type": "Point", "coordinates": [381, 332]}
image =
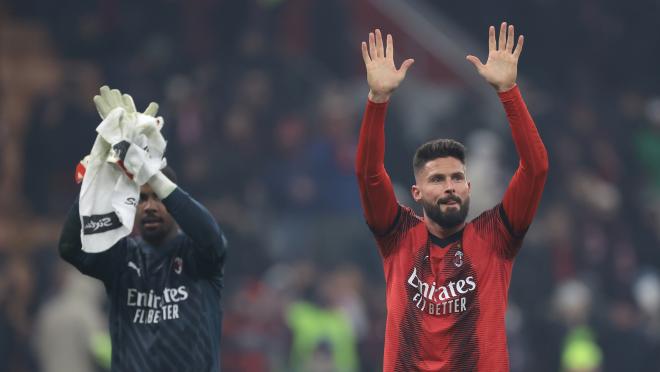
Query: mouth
{"type": "Point", "coordinates": [151, 222]}
{"type": "Point", "coordinates": [449, 202]}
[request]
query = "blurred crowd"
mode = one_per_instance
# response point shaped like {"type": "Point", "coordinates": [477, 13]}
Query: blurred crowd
{"type": "Point", "coordinates": [262, 103]}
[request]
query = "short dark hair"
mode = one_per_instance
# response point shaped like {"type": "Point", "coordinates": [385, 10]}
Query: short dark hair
{"type": "Point", "coordinates": [439, 148]}
{"type": "Point", "coordinates": [170, 173]}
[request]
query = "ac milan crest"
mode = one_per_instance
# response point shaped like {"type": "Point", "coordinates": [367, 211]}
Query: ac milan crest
{"type": "Point", "coordinates": [458, 259]}
{"type": "Point", "coordinates": [177, 265]}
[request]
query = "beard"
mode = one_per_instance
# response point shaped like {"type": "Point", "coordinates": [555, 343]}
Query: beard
{"type": "Point", "coordinates": [450, 218]}
{"type": "Point", "coordinates": [154, 235]}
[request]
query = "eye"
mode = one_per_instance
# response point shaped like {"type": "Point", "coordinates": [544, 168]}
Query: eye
{"type": "Point", "coordinates": [458, 178]}
{"type": "Point", "coordinates": [143, 198]}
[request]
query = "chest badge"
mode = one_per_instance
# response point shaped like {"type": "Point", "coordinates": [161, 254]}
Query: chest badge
{"type": "Point", "coordinates": [458, 258]}
{"type": "Point", "coordinates": [177, 265]}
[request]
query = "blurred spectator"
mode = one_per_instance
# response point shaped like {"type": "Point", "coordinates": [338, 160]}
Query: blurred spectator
{"type": "Point", "coordinates": [54, 145]}
{"type": "Point", "coordinates": [16, 312]}
{"type": "Point", "coordinates": [580, 352]}
{"type": "Point", "coordinates": [323, 337]}
{"type": "Point", "coordinates": [71, 329]}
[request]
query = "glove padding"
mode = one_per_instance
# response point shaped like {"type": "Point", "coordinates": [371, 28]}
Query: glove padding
{"type": "Point", "coordinates": [110, 99]}
{"type": "Point", "coordinates": [129, 139]}
{"type": "Point", "coordinates": [137, 144]}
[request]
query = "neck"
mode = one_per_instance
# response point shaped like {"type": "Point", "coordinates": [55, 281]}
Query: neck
{"type": "Point", "coordinates": [157, 243]}
{"type": "Point", "coordinates": [439, 231]}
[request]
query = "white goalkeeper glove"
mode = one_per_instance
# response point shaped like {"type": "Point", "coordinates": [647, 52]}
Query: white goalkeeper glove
{"type": "Point", "coordinates": [133, 156]}
{"type": "Point", "coordinates": [109, 100]}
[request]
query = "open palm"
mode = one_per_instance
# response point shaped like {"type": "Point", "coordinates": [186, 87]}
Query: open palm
{"type": "Point", "coordinates": [501, 68]}
{"type": "Point", "coordinates": [382, 75]}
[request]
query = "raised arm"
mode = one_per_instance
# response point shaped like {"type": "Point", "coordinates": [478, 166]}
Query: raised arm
{"type": "Point", "coordinates": [98, 265]}
{"type": "Point", "coordinates": [376, 192]}
{"type": "Point", "coordinates": [523, 195]}
{"type": "Point", "coordinates": [209, 244]}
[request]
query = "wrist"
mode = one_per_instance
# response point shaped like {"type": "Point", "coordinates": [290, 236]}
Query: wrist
{"type": "Point", "coordinates": [505, 87]}
{"type": "Point", "coordinates": [378, 97]}
{"type": "Point", "coordinates": [161, 185]}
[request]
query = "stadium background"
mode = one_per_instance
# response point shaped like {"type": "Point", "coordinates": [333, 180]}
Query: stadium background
{"type": "Point", "coordinates": [262, 102]}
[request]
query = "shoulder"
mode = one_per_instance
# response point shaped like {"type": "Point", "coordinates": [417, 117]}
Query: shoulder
{"type": "Point", "coordinates": [405, 220]}
{"type": "Point", "coordinates": [494, 219]}
{"type": "Point", "coordinates": [403, 229]}
{"type": "Point", "coordinates": [493, 228]}
{"type": "Point", "coordinates": [487, 217]}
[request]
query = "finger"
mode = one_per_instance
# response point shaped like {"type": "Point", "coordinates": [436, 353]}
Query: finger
{"type": "Point", "coordinates": [105, 90]}
{"type": "Point", "coordinates": [115, 98]}
{"type": "Point", "coordinates": [510, 40]}
{"type": "Point", "coordinates": [101, 106]}
{"type": "Point", "coordinates": [365, 54]}
{"type": "Point", "coordinates": [105, 93]}
{"type": "Point", "coordinates": [372, 45]}
{"type": "Point", "coordinates": [492, 46]}
{"type": "Point", "coordinates": [152, 109]}
{"type": "Point", "coordinates": [406, 65]}
{"type": "Point", "coordinates": [502, 43]}
{"type": "Point", "coordinates": [519, 46]}
{"type": "Point", "coordinates": [128, 103]}
{"type": "Point", "coordinates": [389, 52]}
{"type": "Point", "coordinates": [475, 61]}
{"type": "Point", "coordinates": [379, 44]}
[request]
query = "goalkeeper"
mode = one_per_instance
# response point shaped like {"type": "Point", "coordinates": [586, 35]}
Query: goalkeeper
{"type": "Point", "coordinates": [165, 285]}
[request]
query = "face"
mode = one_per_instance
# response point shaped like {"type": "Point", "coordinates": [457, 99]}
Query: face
{"type": "Point", "coordinates": [153, 220]}
{"type": "Point", "coordinates": [443, 191]}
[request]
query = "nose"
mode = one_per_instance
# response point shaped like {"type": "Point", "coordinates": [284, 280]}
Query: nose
{"type": "Point", "coordinates": [450, 188]}
{"type": "Point", "coordinates": [150, 204]}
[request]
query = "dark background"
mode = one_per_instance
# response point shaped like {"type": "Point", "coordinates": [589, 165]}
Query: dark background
{"type": "Point", "coordinates": [262, 103]}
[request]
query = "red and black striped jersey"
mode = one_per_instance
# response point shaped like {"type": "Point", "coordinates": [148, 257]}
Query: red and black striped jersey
{"type": "Point", "coordinates": [446, 298]}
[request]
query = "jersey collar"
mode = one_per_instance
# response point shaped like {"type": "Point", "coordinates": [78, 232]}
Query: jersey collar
{"type": "Point", "coordinates": [444, 242]}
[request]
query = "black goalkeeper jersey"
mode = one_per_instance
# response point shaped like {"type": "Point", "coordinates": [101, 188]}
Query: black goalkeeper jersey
{"type": "Point", "coordinates": [165, 312]}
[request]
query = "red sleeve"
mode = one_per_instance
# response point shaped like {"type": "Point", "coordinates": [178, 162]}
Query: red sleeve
{"type": "Point", "coordinates": [376, 193]}
{"type": "Point", "coordinates": [523, 195]}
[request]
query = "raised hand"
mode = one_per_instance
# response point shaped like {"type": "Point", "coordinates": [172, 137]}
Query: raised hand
{"type": "Point", "coordinates": [382, 75]}
{"type": "Point", "coordinates": [501, 68]}
{"type": "Point", "coordinates": [109, 99]}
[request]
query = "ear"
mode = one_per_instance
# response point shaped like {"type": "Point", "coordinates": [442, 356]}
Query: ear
{"type": "Point", "coordinates": [416, 193]}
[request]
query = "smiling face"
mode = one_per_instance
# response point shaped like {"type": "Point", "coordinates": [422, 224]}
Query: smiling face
{"type": "Point", "coordinates": [443, 191]}
{"type": "Point", "coordinates": [153, 220]}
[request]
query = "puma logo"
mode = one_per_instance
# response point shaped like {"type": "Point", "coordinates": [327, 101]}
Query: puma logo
{"type": "Point", "coordinates": [133, 266]}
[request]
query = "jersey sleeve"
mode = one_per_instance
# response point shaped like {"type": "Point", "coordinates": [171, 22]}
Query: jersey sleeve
{"type": "Point", "coordinates": [102, 265]}
{"type": "Point", "coordinates": [523, 194]}
{"type": "Point", "coordinates": [389, 241]}
{"type": "Point", "coordinates": [207, 245]}
{"type": "Point", "coordinates": [496, 233]}
{"type": "Point", "coordinates": [377, 196]}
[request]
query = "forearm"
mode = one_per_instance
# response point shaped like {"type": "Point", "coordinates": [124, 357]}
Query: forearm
{"type": "Point", "coordinates": [376, 191]}
{"type": "Point", "coordinates": [530, 148]}
{"type": "Point", "coordinates": [196, 222]}
{"type": "Point", "coordinates": [524, 192]}
{"type": "Point", "coordinates": [70, 242]}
